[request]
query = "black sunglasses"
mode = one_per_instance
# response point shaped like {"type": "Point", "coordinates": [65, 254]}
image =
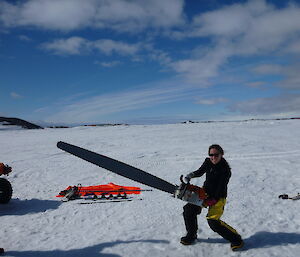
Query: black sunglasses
{"type": "Point", "coordinates": [214, 154]}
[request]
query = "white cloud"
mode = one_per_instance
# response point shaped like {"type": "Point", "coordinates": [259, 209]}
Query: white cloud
{"type": "Point", "coordinates": [200, 69]}
{"type": "Point", "coordinates": [271, 31]}
{"type": "Point", "coordinates": [289, 73]}
{"type": "Point", "coordinates": [229, 21]}
{"type": "Point", "coordinates": [252, 27]}
{"type": "Point", "coordinates": [67, 15]}
{"type": "Point", "coordinates": [211, 101]}
{"type": "Point", "coordinates": [99, 106]}
{"type": "Point", "coordinates": [79, 45]}
{"type": "Point", "coordinates": [70, 46]}
{"type": "Point", "coordinates": [293, 47]}
{"type": "Point", "coordinates": [15, 95]}
{"type": "Point", "coordinates": [256, 84]}
{"type": "Point", "coordinates": [54, 14]}
{"type": "Point", "coordinates": [25, 38]}
{"type": "Point", "coordinates": [268, 69]}
{"type": "Point", "coordinates": [280, 105]}
{"type": "Point", "coordinates": [109, 47]}
{"type": "Point", "coordinates": [108, 64]}
{"type": "Point", "coordinates": [241, 30]}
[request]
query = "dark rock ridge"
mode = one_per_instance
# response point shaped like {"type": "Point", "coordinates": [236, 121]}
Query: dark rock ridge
{"type": "Point", "coordinates": [19, 122]}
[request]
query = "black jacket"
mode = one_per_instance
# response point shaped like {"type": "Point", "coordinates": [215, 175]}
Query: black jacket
{"type": "Point", "coordinates": [217, 177]}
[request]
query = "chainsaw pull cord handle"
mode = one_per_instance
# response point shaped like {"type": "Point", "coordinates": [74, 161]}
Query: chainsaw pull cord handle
{"type": "Point", "coordinates": [185, 185]}
{"type": "Point", "coordinates": [182, 181]}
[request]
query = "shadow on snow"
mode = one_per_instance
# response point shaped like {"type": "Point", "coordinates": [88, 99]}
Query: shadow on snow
{"type": "Point", "coordinates": [92, 251]}
{"type": "Point", "coordinates": [266, 239]}
{"type": "Point", "coordinates": [23, 207]}
{"type": "Point", "coordinates": [261, 239]}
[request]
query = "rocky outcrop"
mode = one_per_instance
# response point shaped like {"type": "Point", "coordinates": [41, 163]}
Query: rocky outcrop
{"type": "Point", "coordinates": [19, 122]}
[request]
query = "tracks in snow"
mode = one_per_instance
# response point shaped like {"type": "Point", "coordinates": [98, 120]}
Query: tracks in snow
{"type": "Point", "coordinates": [151, 161]}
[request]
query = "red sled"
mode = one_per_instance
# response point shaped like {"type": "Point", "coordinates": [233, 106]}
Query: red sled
{"type": "Point", "coordinates": [109, 190]}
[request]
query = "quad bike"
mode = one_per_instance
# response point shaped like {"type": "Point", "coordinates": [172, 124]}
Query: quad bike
{"type": "Point", "coordinates": [5, 186]}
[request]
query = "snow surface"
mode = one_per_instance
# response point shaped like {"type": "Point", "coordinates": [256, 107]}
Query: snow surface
{"type": "Point", "coordinates": [264, 156]}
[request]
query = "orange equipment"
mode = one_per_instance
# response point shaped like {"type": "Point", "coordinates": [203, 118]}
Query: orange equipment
{"type": "Point", "coordinates": [4, 169]}
{"type": "Point", "coordinates": [100, 191]}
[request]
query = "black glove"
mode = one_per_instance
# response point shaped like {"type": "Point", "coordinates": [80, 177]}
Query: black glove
{"type": "Point", "coordinates": [188, 177]}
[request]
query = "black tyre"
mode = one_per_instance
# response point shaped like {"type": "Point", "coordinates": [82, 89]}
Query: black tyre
{"type": "Point", "coordinates": [5, 191]}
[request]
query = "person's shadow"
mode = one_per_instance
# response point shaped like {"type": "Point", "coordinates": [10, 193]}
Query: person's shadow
{"type": "Point", "coordinates": [262, 239]}
{"type": "Point", "coordinates": [92, 251]}
{"type": "Point", "coordinates": [265, 239]}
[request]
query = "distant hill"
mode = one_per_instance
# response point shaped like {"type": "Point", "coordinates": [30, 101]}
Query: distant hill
{"type": "Point", "coordinates": [18, 122]}
{"type": "Point", "coordinates": [217, 121]}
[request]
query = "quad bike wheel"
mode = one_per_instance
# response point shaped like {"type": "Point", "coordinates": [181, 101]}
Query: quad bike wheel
{"type": "Point", "coordinates": [5, 191]}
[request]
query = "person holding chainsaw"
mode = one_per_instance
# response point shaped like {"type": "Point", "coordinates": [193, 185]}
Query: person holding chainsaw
{"type": "Point", "coordinates": [217, 172]}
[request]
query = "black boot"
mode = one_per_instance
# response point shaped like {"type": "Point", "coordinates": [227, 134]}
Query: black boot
{"type": "Point", "coordinates": [236, 246]}
{"type": "Point", "coordinates": [188, 239]}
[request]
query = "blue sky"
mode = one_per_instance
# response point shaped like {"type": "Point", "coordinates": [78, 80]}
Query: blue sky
{"type": "Point", "coordinates": [140, 61]}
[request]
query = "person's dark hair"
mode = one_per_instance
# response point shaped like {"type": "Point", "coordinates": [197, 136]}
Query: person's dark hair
{"type": "Point", "coordinates": [217, 147]}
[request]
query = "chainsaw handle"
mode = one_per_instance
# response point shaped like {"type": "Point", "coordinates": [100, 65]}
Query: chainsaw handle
{"type": "Point", "coordinates": [182, 181]}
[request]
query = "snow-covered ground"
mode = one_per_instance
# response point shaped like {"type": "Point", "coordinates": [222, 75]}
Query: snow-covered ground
{"type": "Point", "coordinates": [265, 161]}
